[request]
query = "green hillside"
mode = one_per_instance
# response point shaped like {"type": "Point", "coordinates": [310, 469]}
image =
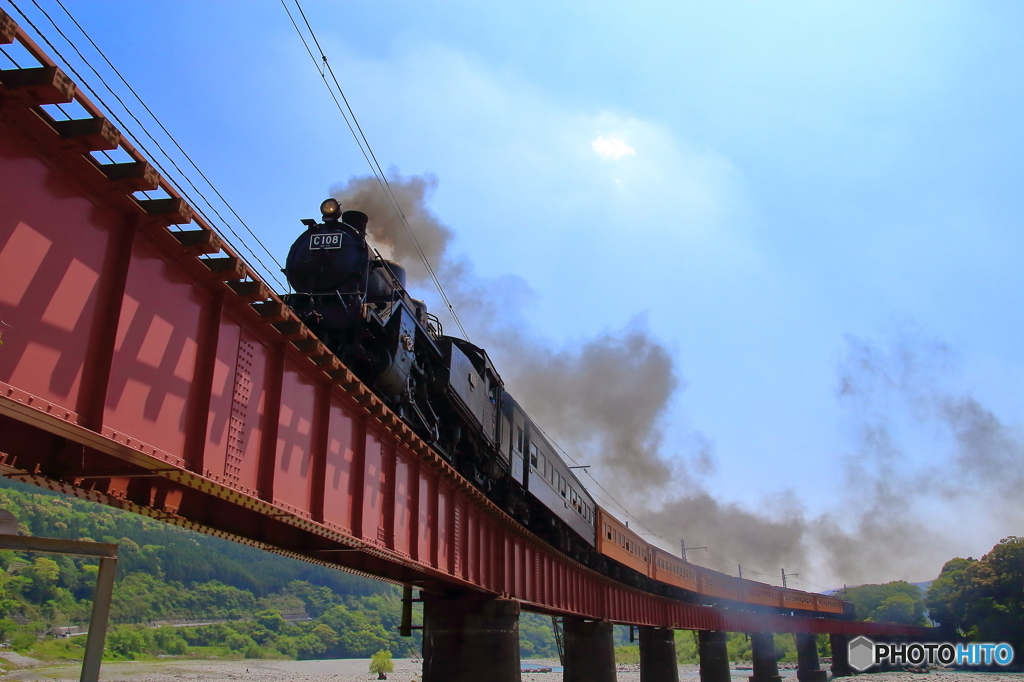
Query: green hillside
{"type": "Point", "coordinates": [261, 604]}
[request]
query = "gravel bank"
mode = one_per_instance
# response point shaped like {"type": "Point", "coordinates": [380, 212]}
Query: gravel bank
{"type": "Point", "coordinates": [355, 670]}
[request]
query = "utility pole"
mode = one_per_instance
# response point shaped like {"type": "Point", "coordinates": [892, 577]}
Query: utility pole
{"type": "Point", "coordinates": [682, 546]}
{"type": "Point", "coordinates": [791, 575]}
{"type": "Point", "coordinates": [741, 570]}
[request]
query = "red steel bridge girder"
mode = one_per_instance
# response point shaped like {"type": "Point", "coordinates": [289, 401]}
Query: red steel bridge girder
{"type": "Point", "coordinates": [145, 367]}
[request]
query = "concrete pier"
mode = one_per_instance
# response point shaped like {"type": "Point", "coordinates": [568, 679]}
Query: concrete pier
{"type": "Point", "coordinates": [714, 657]}
{"type": "Point", "coordinates": [841, 656]}
{"type": "Point", "coordinates": [589, 651]}
{"type": "Point", "coordinates": [658, 655]}
{"type": "Point", "coordinates": [766, 664]}
{"type": "Point", "coordinates": [468, 638]}
{"type": "Point", "coordinates": [808, 668]}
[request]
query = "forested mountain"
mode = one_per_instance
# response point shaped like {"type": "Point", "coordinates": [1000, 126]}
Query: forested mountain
{"type": "Point", "coordinates": [271, 605]}
{"type": "Point", "coordinates": [161, 550]}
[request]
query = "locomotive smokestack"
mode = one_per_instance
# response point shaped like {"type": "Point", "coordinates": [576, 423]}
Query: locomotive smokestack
{"type": "Point", "coordinates": [388, 231]}
{"type": "Point", "coordinates": [356, 219]}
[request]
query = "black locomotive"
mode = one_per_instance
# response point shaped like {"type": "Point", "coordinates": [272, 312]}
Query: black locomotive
{"type": "Point", "coordinates": [444, 387]}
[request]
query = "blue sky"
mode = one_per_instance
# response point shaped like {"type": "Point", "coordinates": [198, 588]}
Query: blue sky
{"type": "Point", "coordinates": [773, 191]}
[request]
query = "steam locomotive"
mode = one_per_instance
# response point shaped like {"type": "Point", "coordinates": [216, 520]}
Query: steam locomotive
{"type": "Point", "coordinates": [449, 392]}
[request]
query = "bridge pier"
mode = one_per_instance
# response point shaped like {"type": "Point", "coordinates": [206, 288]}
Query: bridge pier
{"type": "Point", "coordinates": [841, 655]}
{"type": "Point", "coordinates": [589, 651]}
{"type": "Point", "coordinates": [808, 669]}
{"type": "Point", "coordinates": [766, 664]}
{"type": "Point", "coordinates": [470, 638]}
{"type": "Point", "coordinates": [658, 655]}
{"type": "Point", "coordinates": [714, 657]}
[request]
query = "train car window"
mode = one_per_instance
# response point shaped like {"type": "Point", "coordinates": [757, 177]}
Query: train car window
{"type": "Point", "coordinates": [561, 486]}
{"type": "Point", "coordinates": [533, 456]}
{"type": "Point", "coordinates": [519, 439]}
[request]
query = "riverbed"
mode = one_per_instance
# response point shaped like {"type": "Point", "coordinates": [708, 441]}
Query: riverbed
{"type": "Point", "coordinates": [406, 670]}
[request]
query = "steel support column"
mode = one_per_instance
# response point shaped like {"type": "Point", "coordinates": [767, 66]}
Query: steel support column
{"type": "Point", "coordinates": [714, 657]}
{"type": "Point", "coordinates": [841, 655]}
{"type": "Point", "coordinates": [658, 655]}
{"type": "Point", "coordinates": [808, 669]}
{"type": "Point", "coordinates": [470, 638]}
{"type": "Point", "coordinates": [589, 651]}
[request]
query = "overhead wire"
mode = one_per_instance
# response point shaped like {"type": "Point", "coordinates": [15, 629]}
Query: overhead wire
{"type": "Point", "coordinates": [323, 67]}
{"type": "Point", "coordinates": [131, 135]}
{"type": "Point", "coordinates": [168, 134]}
{"type": "Point", "coordinates": [371, 159]}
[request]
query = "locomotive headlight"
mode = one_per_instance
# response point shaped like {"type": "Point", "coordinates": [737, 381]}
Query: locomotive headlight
{"type": "Point", "coordinates": [330, 209]}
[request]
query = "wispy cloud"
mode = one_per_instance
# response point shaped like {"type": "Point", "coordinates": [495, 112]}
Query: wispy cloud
{"type": "Point", "coordinates": [612, 147]}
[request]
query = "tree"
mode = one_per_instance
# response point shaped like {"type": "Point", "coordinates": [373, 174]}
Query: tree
{"type": "Point", "coordinates": [326, 635]}
{"type": "Point", "coordinates": [898, 608]}
{"type": "Point", "coordinates": [895, 602]}
{"type": "Point", "coordinates": [127, 640]}
{"type": "Point", "coordinates": [983, 600]}
{"type": "Point", "coordinates": [271, 619]}
{"type": "Point", "coordinates": [995, 590]}
{"type": "Point", "coordinates": [946, 600]}
{"type": "Point", "coordinates": [381, 663]}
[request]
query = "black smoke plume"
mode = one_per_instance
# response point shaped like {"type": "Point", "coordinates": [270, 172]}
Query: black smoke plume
{"type": "Point", "coordinates": [604, 400]}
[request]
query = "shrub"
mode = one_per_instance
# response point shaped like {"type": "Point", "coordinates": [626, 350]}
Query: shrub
{"type": "Point", "coordinates": [24, 638]}
{"type": "Point", "coordinates": [168, 641]}
{"type": "Point", "coordinates": [237, 642]}
{"type": "Point", "coordinates": [126, 640]}
{"type": "Point", "coordinates": [381, 663]}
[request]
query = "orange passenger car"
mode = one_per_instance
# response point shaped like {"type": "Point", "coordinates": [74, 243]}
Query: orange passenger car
{"type": "Point", "coordinates": [616, 541]}
{"type": "Point", "coordinates": [761, 593]}
{"type": "Point", "coordinates": [670, 569]}
{"type": "Point", "coordinates": [715, 584]}
{"type": "Point", "coordinates": [828, 604]}
{"type": "Point", "coordinates": [791, 599]}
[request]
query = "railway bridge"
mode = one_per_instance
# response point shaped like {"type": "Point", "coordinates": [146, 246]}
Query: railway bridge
{"type": "Point", "coordinates": [146, 366]}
